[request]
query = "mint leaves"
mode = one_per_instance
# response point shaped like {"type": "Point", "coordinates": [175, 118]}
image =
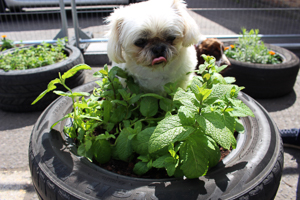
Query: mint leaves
{"type": "Point", "coordinates": [180, 132]}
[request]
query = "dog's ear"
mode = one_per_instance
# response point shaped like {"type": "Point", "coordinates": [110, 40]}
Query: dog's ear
{"type": "Point", "coordinates": [114, 46]}
{"type": "Point", "coordinates": [191, 29]}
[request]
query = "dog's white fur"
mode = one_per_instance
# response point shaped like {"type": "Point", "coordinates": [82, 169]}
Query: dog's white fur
{"type": "Point", "coordinates": [155, 21]}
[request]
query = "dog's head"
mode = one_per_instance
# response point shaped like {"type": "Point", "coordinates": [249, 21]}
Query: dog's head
{"type": "Point", "coordinates": [150, 33]}
{"type": "Point", "coordinates": [212, 47]}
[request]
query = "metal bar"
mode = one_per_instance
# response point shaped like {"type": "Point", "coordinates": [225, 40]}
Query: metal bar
{"type": "Point", "coordinates": [242, 9]}
{"type": "Point", "coordinates": [75, 22]}
{"type": "Point", "coordinates": [99, 40]}
{"type": "Point", "coordinates": [259, 35]}
{"type": "Point", "coordinates": [64, 29]}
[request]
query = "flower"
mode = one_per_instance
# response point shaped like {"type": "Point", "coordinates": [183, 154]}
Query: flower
{"type": "Point", "coordinates": [3, 36]}
{"type": "Point", "coordinates": [272, 53]}
{"type": "Point", "coordinates": [226, 48]}
{"type": "Point", "coordinates": [232, 46]}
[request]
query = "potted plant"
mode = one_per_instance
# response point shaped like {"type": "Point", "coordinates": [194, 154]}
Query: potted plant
{"type": "Point", "coordinates": [6, 43]}
{"type": "Point", "coordinates": [26, 71]}
{"type": "Point", "coordinates": [265, 70]}
{"type": "Point", "coordinates": [179, 134]}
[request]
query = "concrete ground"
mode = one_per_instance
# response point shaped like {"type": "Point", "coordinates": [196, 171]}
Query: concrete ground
{"type": "Point", "coordinates": [15, 128]}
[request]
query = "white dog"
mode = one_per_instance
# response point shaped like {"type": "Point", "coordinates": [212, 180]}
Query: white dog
{"type": "Point", "coordinates": [153, 41]}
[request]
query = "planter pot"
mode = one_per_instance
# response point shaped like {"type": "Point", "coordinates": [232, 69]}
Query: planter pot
{"type": "Point", "coordinates": [251, 171]}
{"type": "Point", "coordinates": [19, 88]}
{"type": "Point", "coordinates": [266, 80]}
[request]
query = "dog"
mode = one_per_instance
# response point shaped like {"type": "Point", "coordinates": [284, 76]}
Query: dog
{"type": "Point", "coordinates": [211, 47]}
{"type": "Point", "coordinates": [153, 41]}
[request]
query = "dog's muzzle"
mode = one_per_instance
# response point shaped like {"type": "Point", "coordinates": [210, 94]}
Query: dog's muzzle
{"type": "Point", "coordinates": [159, 52]}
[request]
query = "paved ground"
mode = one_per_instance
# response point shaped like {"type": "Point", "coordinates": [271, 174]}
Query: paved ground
{"type": "Point", "coordinates": [15, 128]}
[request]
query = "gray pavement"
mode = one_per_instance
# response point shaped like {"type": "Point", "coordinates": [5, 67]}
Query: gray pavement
{"type": "Point", "coordinates": [15, 128]}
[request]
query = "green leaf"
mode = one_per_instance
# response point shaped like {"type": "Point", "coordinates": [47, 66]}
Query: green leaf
{"type": "Point", "coordinates": [166, 104]}
{"type": "Point", "coordinates": [74, 70]}
{"type": "Point", "coordinates": [125, 95]}
{"type": "Point", "coordinates": [69, 115]}
{"type": "Point", "coordinates": [229, 80]}
{"type": "Point", "coordinates": [219, 129]}
{"type": "Point", "coordinates": [123, 145]}
{"type": "Point", "coordinates": [133, 87]}
{"type": "Point", "coordinates": [170, 165]}
{"type": "Point", "coordinates": [152, 95]}
{"type": "Point", "coordinates": [120, 102]}
{"type": "Point", "coordinates": [107, 108]}
{"type": "Point", "coordinates": [168, 131]}
{"type": "Point", "coordinates": [51, 86]}
{"type": "Point", "coordinates": [196, 82]}
{"type": "Point", "coordinates": [102, 151]}
{"type": "Point", "coordinates": [141, 141]}
{"type": "Point", "coordinates": [198, 153]}
{"type": "Point", "coordinates": [160, 162]}
{"type": "Point", "coordinates": [201, 122]}
{"type": "Point", "coordinates": [219, 92]}
{"type": "Point", "coordinates": [239, 126]}
{"type": "Point", "coordinates": [187, 115]}
{"type": "Point", "coordinates": [134, 98]}
{"type": "Point", "coordinates": [149, 106]}
{"type": "Point", "coordinates": [81, 150]}
{"type": "Point", "coordinates": [140, 168]}
{"type": "Point", "coordinates": [241, 110]}
{"type": "Point", "coordinates": [187, 99]}
{"type": "Point", "coordinates": [221, 68]}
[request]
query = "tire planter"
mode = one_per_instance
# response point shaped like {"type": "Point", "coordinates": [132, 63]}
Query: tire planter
{"type": "Point", "coordinates": [19, 88]}
{"type": "Point", "coordinates": [266, 80]}
{"type": "Point", "coordinates": [252, 171]}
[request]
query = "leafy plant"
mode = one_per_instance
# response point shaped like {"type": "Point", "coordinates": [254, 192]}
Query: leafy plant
{"type": "Point", "coordinates": [250, 48]}
{"type": "Point", "coordinates": [33, 57]}
{"type": "Point", "coordinates": [180, 132]}
{"type": "Point", "coordinates": [6, 43]}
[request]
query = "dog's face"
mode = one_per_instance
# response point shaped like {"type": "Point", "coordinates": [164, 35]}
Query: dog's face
{"type": "Point", "coordinates": [150, 33]}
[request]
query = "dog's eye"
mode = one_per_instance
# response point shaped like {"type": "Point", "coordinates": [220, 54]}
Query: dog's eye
{"type": "Point", "coordinates": [141, 43]}
{"type": "Point", "coordinates": [171, 39]}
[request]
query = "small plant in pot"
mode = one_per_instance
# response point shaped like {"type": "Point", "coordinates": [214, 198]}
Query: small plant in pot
{"type": "Point", "coordinates": [26, 71]}
{"type": "Point", "coordinates": [179, 134]}
{"type": "Point", "coordinates": [265, 70]}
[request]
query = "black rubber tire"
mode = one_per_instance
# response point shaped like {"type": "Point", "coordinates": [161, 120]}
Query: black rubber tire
{"type": "Point", "coordinates": [266, 80]}
{"type": "Point", "coordinates": [19, 88]}
{"type": "Point", "coordinates": [2, 6]}
{"type": "Point", "coordinates": [252, 171]}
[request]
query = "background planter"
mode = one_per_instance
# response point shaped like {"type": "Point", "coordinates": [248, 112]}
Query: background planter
{"type": "Point", "coordinates": [251, 171]}
{"type": "Point", "coordinates": [19, 88]}
{"type": "Point", "coordinates": [266, 80]}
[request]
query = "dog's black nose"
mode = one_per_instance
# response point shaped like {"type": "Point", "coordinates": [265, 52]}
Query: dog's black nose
{"type": "Point", "coordinates": [159, 50]}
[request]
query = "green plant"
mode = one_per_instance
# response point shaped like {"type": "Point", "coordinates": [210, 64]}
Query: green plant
{"type": "Point", "coordinates": [180, 132]}
{"type": "Point", "coordinates": [33, 57]}
{"type": "Point", "coordinates": [250, 48]}
{"type": "Point", "coordinates": [6, 43]}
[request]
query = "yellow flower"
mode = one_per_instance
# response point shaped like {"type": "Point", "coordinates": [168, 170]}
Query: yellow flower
{"type": "Point", "coordinates": [226, 48]}
{"type": "Point", "coordinates": [232, 46]}
{"type": "Point", "coordinates": [3, 36]}
{"type": "Point", "coordinates": [272, 53]}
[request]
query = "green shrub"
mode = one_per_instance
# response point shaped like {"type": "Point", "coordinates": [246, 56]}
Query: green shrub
{"type": "Point", "coordinates": [33, 56]}
{"type": "Point", "coordinates": [251, 49]}
{"type": "Point", "coordinates": [180, 132]}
